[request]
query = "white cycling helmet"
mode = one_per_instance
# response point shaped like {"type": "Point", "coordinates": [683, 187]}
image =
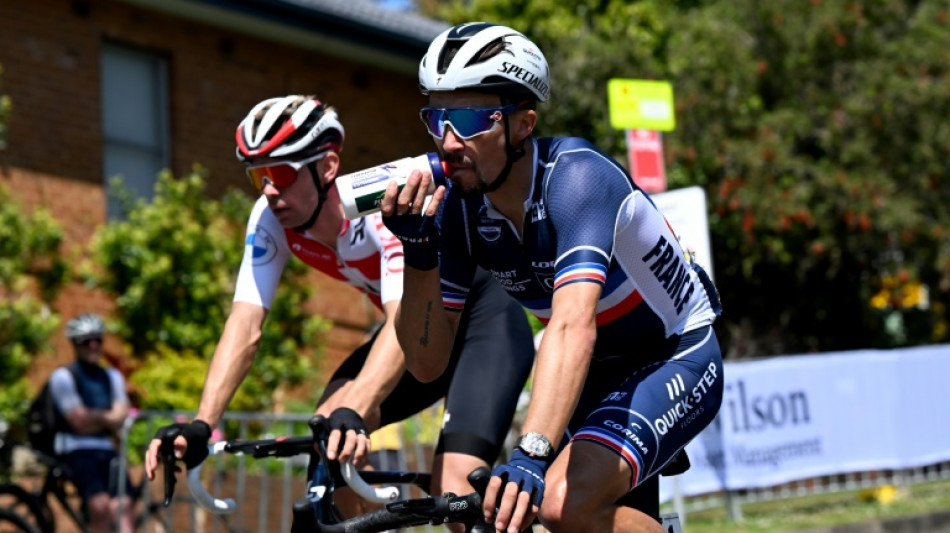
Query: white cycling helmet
{"type": "Point", "coordinates": [85, 326]}
{"type": "Point", "coordinates": [290, 125]}
{"type": "Point", "coordinates": [485, 57]}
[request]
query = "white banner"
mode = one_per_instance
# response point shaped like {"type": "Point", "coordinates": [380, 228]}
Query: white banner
{"type": "Point", "coordinates": [685, 210]}
{"type": "Point", "coordinates": [790, 418]}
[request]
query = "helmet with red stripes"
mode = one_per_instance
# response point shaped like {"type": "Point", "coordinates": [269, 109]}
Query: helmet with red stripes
{"type": "Point", "coordinates": [293, 125]}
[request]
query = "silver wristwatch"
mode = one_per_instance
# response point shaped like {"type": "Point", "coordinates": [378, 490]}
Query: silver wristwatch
{"type": "Point", "coordinates": [536, 445]}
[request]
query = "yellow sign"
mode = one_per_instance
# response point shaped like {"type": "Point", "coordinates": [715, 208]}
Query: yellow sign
{"type": "Point", "coordinates": [641, 104]}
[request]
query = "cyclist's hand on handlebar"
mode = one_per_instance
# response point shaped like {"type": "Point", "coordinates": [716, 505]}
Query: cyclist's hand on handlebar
{"type": "Point", "coordinates": [515, 490]}
{"type": "Point", "coordinates": [153, 457]}
{"type": "Point", "coordinates": [190, 442]}
{"type": "Point", "coordinates": [348, 439]}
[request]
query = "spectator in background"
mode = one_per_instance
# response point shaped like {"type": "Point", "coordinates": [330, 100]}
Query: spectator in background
{"type": "Point", "coordinates": [94, 403]}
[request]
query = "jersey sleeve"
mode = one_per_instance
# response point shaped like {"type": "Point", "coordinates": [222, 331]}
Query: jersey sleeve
{"type": "Point", "coordinates": [63, 387]}
{"type": "Point", "coordinates": [456, 261]}
{"type": "Point", "coordinates": [584, 193]}
{"type": "Point", "coordinates": [265, 254]}
{"type": "Point", "coordinates": [391, 261]}
{"type": "Point", "coordinates": [117, 382]}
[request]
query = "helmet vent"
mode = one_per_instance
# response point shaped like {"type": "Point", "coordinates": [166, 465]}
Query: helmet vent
{"type": "Point", "coordinates": [448, 54]}
{"type": "Point", "coordinates": [490, 50]}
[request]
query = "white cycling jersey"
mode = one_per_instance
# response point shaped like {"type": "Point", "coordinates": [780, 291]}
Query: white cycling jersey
{"type": "Point", "coordinates": [367, 256]}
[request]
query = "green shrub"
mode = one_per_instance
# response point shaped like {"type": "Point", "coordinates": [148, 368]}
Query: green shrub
{"type": "Point", "coordinates": [171, 267]}
{"type": "Point", "coordinates": [31, 274]}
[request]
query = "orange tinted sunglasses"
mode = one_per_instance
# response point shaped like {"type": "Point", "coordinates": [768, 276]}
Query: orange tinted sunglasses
{"type": "Point", "coordinates": [280, 174]}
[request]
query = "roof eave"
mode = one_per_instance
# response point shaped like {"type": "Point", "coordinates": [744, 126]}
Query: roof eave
{"type": "Point", "coordinates": [301, 26]}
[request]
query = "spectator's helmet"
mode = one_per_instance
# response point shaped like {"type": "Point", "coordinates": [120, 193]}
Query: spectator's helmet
{"type": "Point", "coordinates": [84, 327]}
{"type": "Point", "coordinates": [485, 57]}
{"type": "Point", "coordinates": [295, 126]}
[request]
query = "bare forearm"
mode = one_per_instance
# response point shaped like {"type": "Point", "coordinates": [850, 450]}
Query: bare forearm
{"type": "Point", "coordinates": [563, 360]}
{"type": "Point", "coordinates": [225, 374]}
{"type": "Point", "coordinates": [116, 416]}
{"type": "Point", "coordinates": [383, 369]}
{"type": "Point", "coordinates": [562, 363]}
{"type": "Point", "coordinates": [89, 421]}
{"type": "Point", "coordinates": [232, 361]}
{"type": "Point", "coordinates": [425, 331]}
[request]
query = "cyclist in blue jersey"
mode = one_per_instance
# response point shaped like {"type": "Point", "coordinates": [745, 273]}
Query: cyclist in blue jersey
{"type": "Point", "coordinates": [629, 369]}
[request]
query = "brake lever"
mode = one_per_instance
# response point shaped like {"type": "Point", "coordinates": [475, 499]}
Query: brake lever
{"type": "Point", "coordinates": [479, 479]}
{"type": "Point", "coordinates": [167, 452]}
{"type": "Point", "coordinates": [320, 432]}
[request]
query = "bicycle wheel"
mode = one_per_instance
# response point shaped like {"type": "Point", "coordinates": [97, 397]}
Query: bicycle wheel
{"type": "Point", "coordinates": [27, 507]}
{"type": "Point", "coordinates": [11, 522]}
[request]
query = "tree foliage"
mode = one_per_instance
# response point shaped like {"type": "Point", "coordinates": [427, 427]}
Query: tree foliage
{"type": "Point", "coordinates": [171, 268]}
{"type": "Point", "coordinates": [31, 274]}
{"type": "Point", "coordinates": [823, 153]}
{"type": "Point", "coordinates": [818, 131]}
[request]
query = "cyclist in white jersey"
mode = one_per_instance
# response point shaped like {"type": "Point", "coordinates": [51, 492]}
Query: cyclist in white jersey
{"type": "Point", "coordinates": [629, 369]}
{"type": "Point", "coordinates": [291, 147]}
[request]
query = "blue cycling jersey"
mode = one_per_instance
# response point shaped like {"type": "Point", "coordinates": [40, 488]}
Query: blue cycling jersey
{"type": "Point", "coordinates": [656, 375]}
{"type": "Point", "coordinates": [585, 222]}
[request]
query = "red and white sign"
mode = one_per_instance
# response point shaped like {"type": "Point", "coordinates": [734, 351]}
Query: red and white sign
{"type": "Point", "coordinates": [645, 149]}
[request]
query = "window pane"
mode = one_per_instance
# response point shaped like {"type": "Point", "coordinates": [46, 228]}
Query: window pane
{"type": "Point", "coordinates": [137, 170]}
{"type": "Point", "coordinates": [134, 118]}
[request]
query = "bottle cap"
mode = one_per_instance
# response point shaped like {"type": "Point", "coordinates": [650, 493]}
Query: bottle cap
{"type": "Point", "coordinates": [439, 168]}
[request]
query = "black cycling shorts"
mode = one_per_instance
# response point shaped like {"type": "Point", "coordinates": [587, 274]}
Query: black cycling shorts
{"type": "Point", "coordinates": [491, 360]}
{"type": "Point", "coordinates": [95, 472]}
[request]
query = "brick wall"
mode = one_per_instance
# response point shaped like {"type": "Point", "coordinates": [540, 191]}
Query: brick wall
{"type": "Point", "coordinates": [49, 53]}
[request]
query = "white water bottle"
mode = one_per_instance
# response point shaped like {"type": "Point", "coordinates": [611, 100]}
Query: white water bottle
{"type": "Point", "coordinates": [361, 192]}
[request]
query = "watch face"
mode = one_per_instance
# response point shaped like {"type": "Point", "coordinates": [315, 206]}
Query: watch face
{"type": "Point", "coordinates": [535, 445]}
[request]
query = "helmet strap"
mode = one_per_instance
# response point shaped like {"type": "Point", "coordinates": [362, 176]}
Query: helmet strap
{"type": "Point", "coordinates": [322, 194]}
{"type": "Point", "coordinates": [512, 153]}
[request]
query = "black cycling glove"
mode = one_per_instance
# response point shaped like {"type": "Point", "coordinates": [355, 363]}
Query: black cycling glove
{"type": "Point", "coordinates": [344, 418]}
{"type": "Point", "coordinates": [197, 434]}
{"type": "Point", "coordinates": [420, 239]}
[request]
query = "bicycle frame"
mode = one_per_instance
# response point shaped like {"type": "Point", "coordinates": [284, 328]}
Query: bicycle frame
{"type": "Point", "coordinates": [54, 483]}
{"type": "Point", "coordinates": [36, 501]}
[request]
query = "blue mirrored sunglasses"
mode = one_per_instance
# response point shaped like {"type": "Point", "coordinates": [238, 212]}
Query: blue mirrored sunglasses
{"type": "Point", "coordinates": [466, 122]}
